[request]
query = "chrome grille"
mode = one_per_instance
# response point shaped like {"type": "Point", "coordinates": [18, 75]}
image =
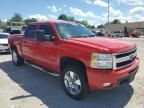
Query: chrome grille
{"type": "Point", "coordinates": [121, 60]}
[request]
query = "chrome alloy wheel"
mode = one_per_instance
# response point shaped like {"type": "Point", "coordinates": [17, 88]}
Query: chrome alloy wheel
{"type": "Point", "coordinates": [72, 83]}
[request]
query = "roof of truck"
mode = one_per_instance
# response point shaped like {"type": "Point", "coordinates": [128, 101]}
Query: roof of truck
{"type": "Point", "coordinates": [52, 21]}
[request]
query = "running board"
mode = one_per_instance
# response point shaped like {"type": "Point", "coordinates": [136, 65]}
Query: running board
{"type": "Point", "coordinates": [41, 69]}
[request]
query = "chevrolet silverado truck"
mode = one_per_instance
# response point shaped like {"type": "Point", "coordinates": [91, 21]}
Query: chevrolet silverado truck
{"type": "Point", "coordinates": [73, 52]}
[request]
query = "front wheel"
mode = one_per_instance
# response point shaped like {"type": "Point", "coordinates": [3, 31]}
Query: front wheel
{"type": "Point", "coordinates": [16, 58]}
{"type": "Point", "coordinates": [74, 82]}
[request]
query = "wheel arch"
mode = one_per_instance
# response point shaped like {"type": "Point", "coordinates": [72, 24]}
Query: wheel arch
{"type": "Point", "coordinates": [64, 61]}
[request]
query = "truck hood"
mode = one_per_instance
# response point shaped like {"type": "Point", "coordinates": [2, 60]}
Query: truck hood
{"type": "Point", "coordinates": [3, 41]}
{"type": "Point", "coordinates": [105, 45]}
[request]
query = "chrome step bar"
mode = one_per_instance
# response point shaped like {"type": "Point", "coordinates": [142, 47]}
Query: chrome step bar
{"type": "Point", "coordinates": [41, 69]}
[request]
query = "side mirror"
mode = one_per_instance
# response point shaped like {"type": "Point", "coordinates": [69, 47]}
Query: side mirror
{"type": "Point", "coordinates": [40, 36]}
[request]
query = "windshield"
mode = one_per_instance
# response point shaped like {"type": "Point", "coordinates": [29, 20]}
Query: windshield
{"type": "Point", "coordinates": [3, 36]}
{"type": "Point", "coordinates": [73, 30]}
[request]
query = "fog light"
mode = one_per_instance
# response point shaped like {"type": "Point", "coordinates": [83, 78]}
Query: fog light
{"type": "Point", "coordinates": [107, 84]}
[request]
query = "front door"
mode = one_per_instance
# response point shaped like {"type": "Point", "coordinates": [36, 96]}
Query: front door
{"type": "Point", "coordinates": [46, 52]}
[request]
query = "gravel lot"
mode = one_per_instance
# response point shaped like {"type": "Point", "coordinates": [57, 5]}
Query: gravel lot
{"type": "Point", "coordinates": [26, 87]}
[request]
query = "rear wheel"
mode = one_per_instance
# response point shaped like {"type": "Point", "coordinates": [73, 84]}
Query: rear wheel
{"type": "Point", "coordinates": [74, 81]}
{"type": "Point", "coordinates": [16, 58]}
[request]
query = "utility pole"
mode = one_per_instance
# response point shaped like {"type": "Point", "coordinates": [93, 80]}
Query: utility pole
{"type": "Point", "coordinates": [108, 16]}
{"type": "Point", "coordinates": [108, 12]}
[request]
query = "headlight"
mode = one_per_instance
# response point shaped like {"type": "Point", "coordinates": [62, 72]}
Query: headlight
{"type": "Point", "coordinates": [101, 61]}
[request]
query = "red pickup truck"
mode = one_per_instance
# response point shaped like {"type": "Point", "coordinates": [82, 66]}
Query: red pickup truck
{"type": "Point", "coordinates": [73, 52]}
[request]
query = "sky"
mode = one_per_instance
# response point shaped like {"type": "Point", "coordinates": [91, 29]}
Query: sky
{"type": "Point", "coordinates": [95, 11]}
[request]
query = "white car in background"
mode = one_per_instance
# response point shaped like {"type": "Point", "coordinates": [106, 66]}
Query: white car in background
{"type": "Point", "coordinates": [4, 42]}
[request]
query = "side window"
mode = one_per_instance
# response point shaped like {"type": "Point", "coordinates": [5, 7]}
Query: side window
{"type": "Point", "coordinates": [48, 31]}
{"type": "Point", "coordinates": [30, 32]}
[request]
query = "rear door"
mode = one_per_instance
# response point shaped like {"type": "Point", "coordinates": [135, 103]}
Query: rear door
{"type": "Point", "coordinates": [29, 42]}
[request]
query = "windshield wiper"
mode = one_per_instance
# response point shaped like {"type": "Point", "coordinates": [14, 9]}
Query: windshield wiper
{"type": "Point", "coordinates": [80, 36]}
{"type": "Point", "coordinates": [91, 35]}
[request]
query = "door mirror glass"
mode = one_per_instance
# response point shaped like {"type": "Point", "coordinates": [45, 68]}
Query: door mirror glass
{"type": "Point", "coordinates": [40, 36]}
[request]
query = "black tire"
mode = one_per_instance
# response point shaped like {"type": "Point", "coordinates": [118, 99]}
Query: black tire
{"type": "Point", "coordinates": [80, 72]}
{"type": "Point", "coordinates": [133, 35]}
{"type": "Point", "coordinates": [18, 60]}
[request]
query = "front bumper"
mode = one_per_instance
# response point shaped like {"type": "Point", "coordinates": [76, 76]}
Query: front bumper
{"type": "Point", "coordinates": [97, 78]}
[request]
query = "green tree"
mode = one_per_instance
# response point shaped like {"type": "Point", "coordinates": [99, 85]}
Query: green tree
{"type": "Point", "coordinates": [100, 26]}
{"type": "Point", "coordinates": [85, 23]}
{"type": "Point", "coordinates": [66, 18]}
{"type": "Point", "coordinates": [30, 20]}
{"type": "Point", "coordinates": [8, 23]}
{"type": "Point", "coordinates": [63, 17]}
{"type": "Point", "coordinates": [16, 18]}
{"type": "Point", "coordinates": [71, 18]}
{"type": "Point", "coordinates": [2, 24]}
{"type": "Point", "coordinates": [92, 27]}
{"type": "Point", "coordinates": [116, 21]}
